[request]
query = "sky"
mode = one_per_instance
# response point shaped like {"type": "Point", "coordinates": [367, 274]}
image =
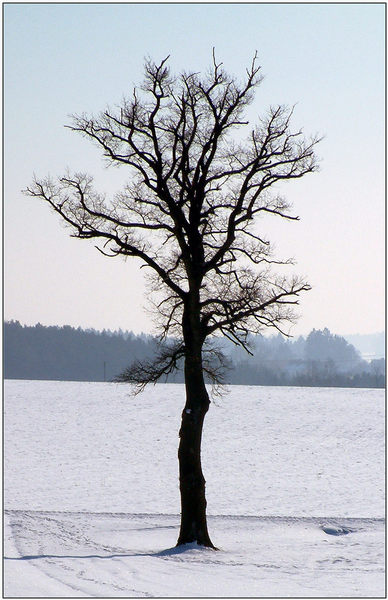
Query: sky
{"type": "Point", "coordinates": [326, 59]}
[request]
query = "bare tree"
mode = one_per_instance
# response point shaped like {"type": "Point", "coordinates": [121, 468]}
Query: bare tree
{"type": "Point", "coordinates": [189, 213]}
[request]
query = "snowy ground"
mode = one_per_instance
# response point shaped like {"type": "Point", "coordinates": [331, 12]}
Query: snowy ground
{"type": "Point", "coordinates": [92, 503]}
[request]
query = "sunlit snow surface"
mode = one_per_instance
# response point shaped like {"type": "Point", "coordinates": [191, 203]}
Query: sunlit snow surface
{"type": "Point", "coordinates": [295, 486]}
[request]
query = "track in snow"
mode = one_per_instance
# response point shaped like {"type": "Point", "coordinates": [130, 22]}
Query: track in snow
{"type": "Point", "coordinates": [117, 554]}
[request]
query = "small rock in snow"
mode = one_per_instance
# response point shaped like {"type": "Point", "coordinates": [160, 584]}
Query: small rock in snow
{"type": "Point", "coordinates": [335, 530]}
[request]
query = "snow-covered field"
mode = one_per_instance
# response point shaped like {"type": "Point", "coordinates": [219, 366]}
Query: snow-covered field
{"type": "Point", "coordinates": [92, 500]}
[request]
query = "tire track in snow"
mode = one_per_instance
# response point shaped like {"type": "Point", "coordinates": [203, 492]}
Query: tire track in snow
{"type": "Point", "coordinates": [36, 527]}
{"type": "Point", "coordinates": [115, 554]}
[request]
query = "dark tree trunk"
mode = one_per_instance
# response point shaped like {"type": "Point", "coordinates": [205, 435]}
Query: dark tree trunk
{"type": "Point", "coordinates": [191, 479]}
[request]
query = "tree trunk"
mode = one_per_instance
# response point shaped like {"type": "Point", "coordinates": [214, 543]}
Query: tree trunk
{"type": "Point", "coordinates": [191, 479]}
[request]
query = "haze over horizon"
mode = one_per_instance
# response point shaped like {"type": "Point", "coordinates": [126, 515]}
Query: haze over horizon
{"type": "Point", "coordinates": [326, 59]}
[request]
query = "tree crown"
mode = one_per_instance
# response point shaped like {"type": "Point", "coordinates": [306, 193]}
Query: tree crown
{"type": "Point", "coordinates": [189, 209]}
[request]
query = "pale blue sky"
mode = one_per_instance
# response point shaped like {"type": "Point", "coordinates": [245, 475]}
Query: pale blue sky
{"type": "Point", "coordinates": [67, 58]}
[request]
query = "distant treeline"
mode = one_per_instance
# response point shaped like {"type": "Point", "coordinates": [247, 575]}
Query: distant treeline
{"type": "Point", "coordinates": [321, 359]}
{"type": "Point", "coordinates": [69, 354]}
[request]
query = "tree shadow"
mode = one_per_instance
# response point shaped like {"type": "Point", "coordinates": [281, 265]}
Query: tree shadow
{"type": "Point", "coordinates": [167, 552]}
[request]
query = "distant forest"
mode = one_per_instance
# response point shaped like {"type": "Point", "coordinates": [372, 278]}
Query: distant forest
{"type": "Point", "coordinates": [65, 353]}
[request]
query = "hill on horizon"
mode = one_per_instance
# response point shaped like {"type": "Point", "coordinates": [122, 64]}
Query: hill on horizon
{"type": "Point", "coordinates": [370, 345]}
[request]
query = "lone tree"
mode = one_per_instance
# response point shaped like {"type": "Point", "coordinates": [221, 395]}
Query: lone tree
{"type": "Point", "coordinates": [189, 213]}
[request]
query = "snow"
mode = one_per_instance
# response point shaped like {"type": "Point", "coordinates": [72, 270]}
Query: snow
{"type": "Point", "coordinates": [295, 489]}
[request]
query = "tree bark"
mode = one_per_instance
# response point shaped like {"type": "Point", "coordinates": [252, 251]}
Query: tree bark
{"type": "Point", "coordinates": [191, 479]}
